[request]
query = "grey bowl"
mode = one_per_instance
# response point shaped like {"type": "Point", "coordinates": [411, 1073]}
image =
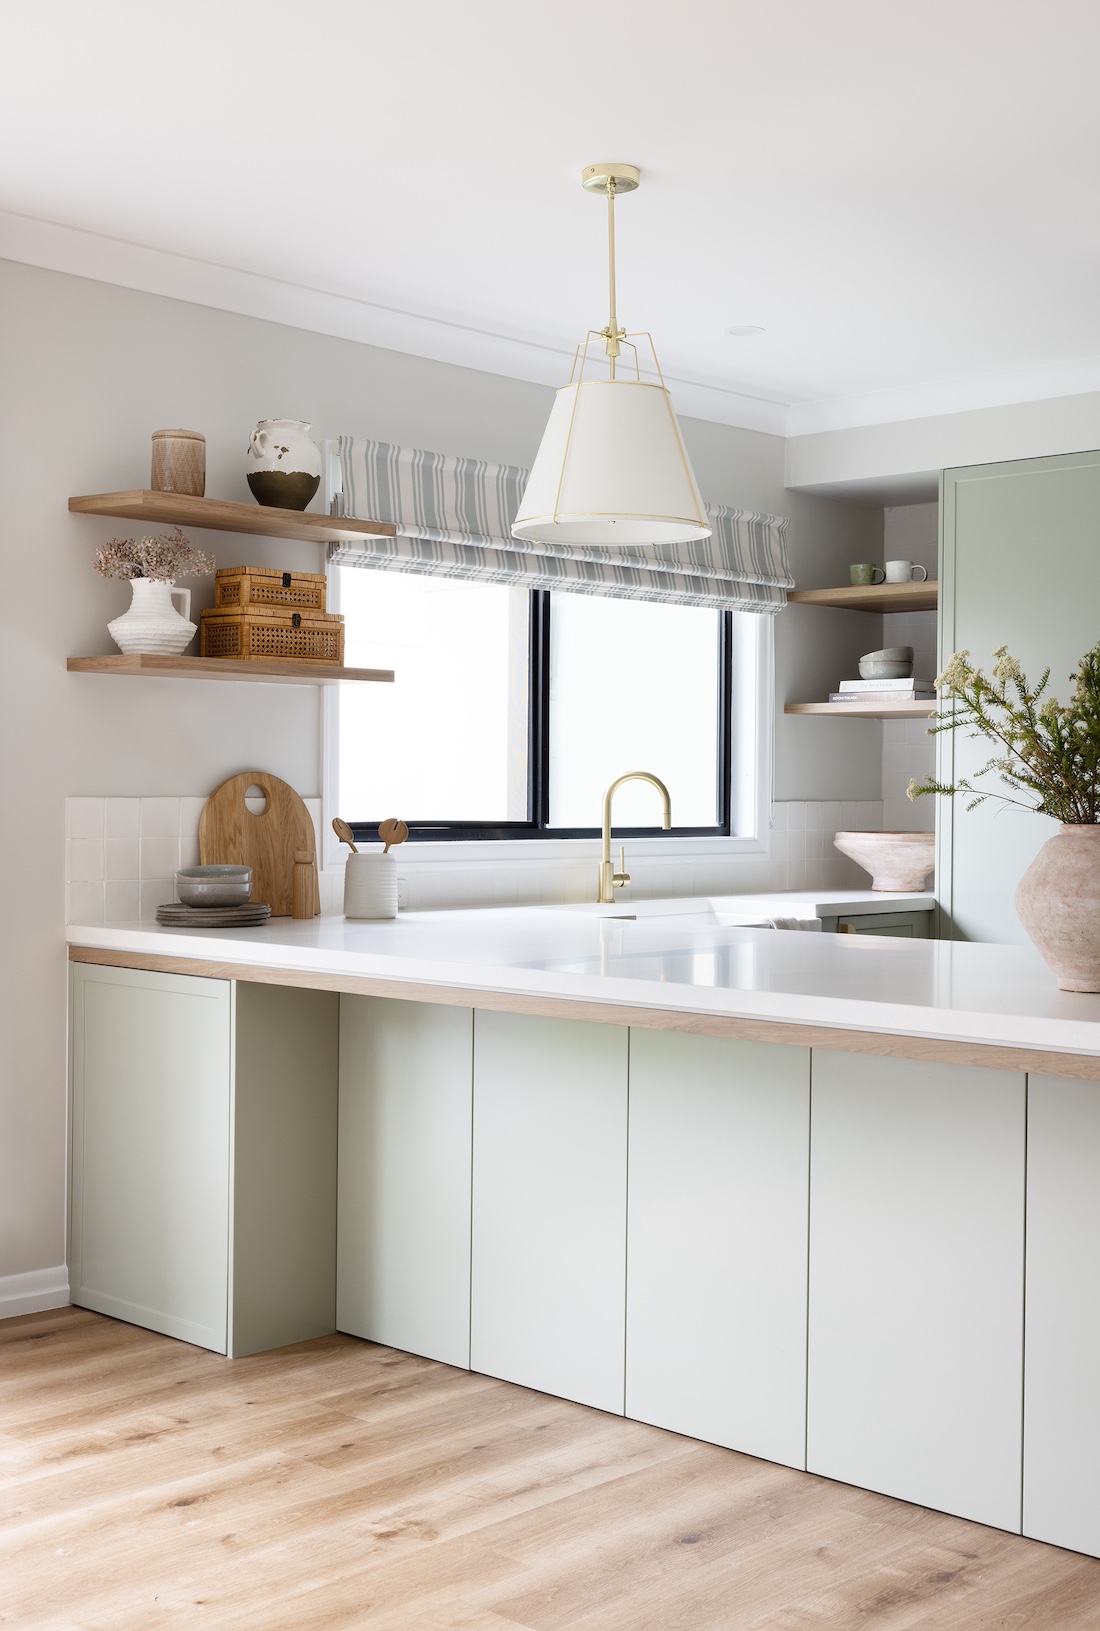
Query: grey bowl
{"type": "Point", "coordinates": [874, 668]}
{"type": "Point", "coordinates": [214, 885]}
{"type": "Point", "coordinates": [890, 654]}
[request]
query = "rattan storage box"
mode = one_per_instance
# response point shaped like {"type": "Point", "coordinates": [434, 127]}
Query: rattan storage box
{"type": "Point", "coordinates": [303, 637]}
{"type": "Point", "coordinates": [244, 587]}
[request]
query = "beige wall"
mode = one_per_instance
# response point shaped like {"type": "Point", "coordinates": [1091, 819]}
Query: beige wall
{"type": "Point", "coordinates": [90, 370]}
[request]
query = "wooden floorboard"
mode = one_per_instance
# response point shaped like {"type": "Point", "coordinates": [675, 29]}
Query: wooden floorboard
{"type": "Point", "coordinates": [339, 1486]}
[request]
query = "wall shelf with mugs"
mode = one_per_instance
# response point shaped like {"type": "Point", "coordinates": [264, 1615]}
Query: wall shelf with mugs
{"type": "Point", "coordinates": [222, 515]}
{"type": "Point", "coordinates": [872, 597]}
{"type": "Point", "coordinates": [879, 598]}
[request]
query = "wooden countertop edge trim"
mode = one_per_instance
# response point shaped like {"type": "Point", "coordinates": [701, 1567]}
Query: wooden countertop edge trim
{"type": "Point", "coordinates": [934, 1050]}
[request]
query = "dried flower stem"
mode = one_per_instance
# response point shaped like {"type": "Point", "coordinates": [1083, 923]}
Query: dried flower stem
{"type": "Point", "coordinates": [163, 556]}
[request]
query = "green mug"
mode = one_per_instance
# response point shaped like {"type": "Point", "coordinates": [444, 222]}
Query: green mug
{"type": "Point", "coordinates": [864, 572]}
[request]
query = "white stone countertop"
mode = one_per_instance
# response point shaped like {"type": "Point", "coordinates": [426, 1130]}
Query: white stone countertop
{"type": "Point", "coordinates": [687, 955]}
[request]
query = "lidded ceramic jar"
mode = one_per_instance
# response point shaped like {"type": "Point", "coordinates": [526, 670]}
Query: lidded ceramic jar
{"type": "Point", "coordinates": [282, 464]}
{"type": "Point", "coordinates": [179, 462]}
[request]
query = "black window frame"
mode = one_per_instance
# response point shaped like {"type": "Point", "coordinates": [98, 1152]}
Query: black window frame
{"type": "Point", "coordinates": [537, 826]}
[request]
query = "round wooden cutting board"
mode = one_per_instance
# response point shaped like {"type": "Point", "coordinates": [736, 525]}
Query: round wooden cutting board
{"type": "Point", "coordinates": [230, 833]}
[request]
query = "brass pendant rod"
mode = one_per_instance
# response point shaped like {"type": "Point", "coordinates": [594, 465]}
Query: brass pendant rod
{"type": "Point", "coordinates": [612, 324]}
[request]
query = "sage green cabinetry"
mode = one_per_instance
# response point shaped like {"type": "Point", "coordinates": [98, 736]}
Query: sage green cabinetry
{"type": "Point", "coordinates": [916, 1281]}
{"type": "Point", "coordinates": [716, 1260]}
{"type": "Point", "coordinates": [632, 1219]}
{"type": "Point", "coordinates": [895, 925]}
{"type": "Point", "coordinates": [204, 1156]}
{"type": "Point", "coordinates": [1019, 566]}
{"type": "Point", "coordinates": [406, 1103]}
{"type": "Point", "coordinates": [1062, 1378]}
{"type": "Point", "coordinates": [548, 1266]}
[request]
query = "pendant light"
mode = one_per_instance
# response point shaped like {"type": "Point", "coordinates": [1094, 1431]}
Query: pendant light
{"type": "Point", "coordinates": [612, 469]}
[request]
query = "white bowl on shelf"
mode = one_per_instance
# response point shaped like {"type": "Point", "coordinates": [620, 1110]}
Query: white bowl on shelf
{"type": "Point", "coordinates": [899, 862]}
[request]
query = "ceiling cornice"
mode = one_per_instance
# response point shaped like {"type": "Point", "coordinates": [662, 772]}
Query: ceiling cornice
{"type": "Point", "coordinates": [1006, 388]}
{"type": "Point", "coordinates": [251, 294]}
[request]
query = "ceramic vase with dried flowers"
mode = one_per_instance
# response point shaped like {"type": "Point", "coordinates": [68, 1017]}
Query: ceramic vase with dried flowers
{"type": "Point", "coordinates": [1050, 753]}
{"type": "Point", "coordinates": [158, 621]}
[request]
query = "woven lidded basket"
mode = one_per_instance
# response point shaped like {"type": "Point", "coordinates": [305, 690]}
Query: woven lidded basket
{"type": "Point", "coordinates": [303, 637]}
{"type": "Point", "coordinates": [248, 586]}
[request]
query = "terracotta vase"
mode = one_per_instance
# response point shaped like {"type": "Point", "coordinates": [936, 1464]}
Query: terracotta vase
{"type": "Point", "coordinates": [1058, 903]}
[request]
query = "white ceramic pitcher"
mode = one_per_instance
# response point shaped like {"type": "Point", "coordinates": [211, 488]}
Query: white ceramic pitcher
{"type": "Point", "coordinates": [158, 620]}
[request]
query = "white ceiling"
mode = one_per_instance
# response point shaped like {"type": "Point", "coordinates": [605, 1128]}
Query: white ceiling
{"type": "Point", "coordinates": [903, 195]}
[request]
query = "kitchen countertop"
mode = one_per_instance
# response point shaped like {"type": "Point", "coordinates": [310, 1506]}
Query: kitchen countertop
{"type": "Point", "coordinates": [670, 956]}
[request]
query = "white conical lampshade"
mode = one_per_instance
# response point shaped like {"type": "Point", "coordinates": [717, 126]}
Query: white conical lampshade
{"type": "Point", "coordinates": [611, 469]}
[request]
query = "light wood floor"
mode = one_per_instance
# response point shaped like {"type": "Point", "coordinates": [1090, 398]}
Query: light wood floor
{"type": "Point", "coordinates": [338, 1485]}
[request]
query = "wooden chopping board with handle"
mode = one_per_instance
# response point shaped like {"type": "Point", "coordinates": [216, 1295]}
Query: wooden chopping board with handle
{"type": "Point", "coordinates": [229, 833]}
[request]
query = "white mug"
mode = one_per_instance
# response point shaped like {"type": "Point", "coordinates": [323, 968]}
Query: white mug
{"type": "Point", "coordinates": [905, 572]}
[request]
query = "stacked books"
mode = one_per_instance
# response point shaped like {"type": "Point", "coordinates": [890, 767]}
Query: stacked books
{"type": "Point", "coordinates": [876, 691]}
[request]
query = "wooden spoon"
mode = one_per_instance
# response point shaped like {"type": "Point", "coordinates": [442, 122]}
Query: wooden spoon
{"type": "Point", "coordinates": [344, 834]}
{"type": "Point", "coordinates": [392, 832]}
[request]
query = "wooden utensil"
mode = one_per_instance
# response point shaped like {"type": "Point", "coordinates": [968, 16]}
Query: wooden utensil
{"type": "Point", "coordinates": [268, 842]}
{"type": "Point", "coordinates": [392, 832]}
{"type": "Point", "coordinates": [344, 834]}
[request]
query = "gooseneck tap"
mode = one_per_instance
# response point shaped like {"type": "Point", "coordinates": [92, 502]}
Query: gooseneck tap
{"type": "Point", "coordinates": [610, 880]}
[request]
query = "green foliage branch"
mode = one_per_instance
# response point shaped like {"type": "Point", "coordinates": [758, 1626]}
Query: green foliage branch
{"type": "Point", "coordinates": [1047, 751]}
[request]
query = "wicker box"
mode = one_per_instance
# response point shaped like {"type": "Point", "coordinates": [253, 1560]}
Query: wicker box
{"type": "Point", "coordinates": [303, 637]}
{"type": "Point", "coordinates": [243, 587]}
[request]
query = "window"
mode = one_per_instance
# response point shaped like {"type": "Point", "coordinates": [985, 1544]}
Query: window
{"type": "Point", "coordinates": [449, 741]}
{"type": "Point", "coordinates": [514, 710]}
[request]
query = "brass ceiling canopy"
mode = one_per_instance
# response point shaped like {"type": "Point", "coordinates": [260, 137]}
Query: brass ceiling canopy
{"type": "Point", "coordinates": [613, 178]}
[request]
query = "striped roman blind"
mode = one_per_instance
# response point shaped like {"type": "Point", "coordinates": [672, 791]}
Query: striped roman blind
{"type": "Point", "coordinates": [454, 520]}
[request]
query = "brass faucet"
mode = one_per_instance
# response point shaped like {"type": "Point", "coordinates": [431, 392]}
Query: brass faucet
{"type": "Point", "coordinates": [610, 880]}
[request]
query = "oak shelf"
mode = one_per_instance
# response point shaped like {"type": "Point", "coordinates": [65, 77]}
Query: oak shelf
{"type": "Point", "coordinates": [856, 710]}
{"type": "Point", "coordinates": [225, 668]}
{"type": "Point", "coordinates": [872, 597]}
{"type": "Point", "coordinates": [184, 510]}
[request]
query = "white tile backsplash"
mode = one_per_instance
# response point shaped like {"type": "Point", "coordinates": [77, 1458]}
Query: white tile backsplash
{"type": "Point", "coordinates": [122, 818]}
{"type": "Point", "coordinates": [85, 818]}
{"type": "Point", "coordinates": [121, 902]}
{"type": "Point", "coordinates": [85, 860]}
{"type": "Point", "coordinates": [159, 857]}
{"type": "Point", "coordinates": [131, 872]}
{"type": "Point", "coordinates": [122, 857]}
{"type": "Point", "coordinates": [160, 818]}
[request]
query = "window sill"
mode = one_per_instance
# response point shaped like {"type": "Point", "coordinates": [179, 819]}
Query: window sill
{"type": "Point", "coordinates": [523, 853]}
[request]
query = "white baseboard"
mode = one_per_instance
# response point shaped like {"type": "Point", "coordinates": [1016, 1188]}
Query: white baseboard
{"type": "Point", "coordinates": [34, 1292]}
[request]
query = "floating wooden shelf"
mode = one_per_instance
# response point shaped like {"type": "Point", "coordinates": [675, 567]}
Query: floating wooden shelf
{"type": "Point", "coordinates": [180, 509]}
{"type": "Point", "coordinates": [856, 710]}
{"type": "Point", "coordinates": [876, 597]}
{"type": "Point", "coordinates": [225, 668]}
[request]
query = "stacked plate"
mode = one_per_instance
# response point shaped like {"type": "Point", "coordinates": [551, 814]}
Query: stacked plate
{"type": "Point", "coordinates": [245, 916]}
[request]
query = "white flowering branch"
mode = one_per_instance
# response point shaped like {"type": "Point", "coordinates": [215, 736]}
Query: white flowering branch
{"type": "Point", "coordinates": [1047, 751]}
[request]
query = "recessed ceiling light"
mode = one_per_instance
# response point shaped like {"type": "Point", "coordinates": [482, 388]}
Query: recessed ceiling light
{"type": "Point", "coordinates": [745, 331]}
